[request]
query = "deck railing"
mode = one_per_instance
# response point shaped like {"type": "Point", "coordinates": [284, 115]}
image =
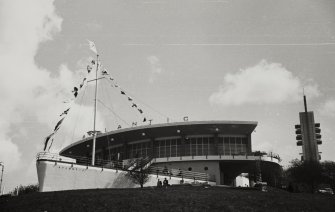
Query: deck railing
{"type": "Point", "coordinates": [145, 163]}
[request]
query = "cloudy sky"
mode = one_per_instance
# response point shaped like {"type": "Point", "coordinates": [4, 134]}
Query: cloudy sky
{"type": "Point", "coordinates": [205, 59]}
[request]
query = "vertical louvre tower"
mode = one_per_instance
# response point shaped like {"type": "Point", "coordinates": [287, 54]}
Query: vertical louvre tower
{"type": "Point", "coordinates": [308, 135]}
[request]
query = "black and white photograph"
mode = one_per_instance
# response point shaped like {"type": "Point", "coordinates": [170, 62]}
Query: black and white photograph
{"type": "Point", "coordinates": [167, 105]}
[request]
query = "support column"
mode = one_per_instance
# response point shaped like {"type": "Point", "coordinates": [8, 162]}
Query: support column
{"type": "Point", "coordinates": [249, 144]}
{"type": "Point", "coordinates": [182, 146]}
{"type": "Point", "coordinates": [216, 141]}
{"type": "Point", "coordinates": [153, 148]}
{"type": "Point", "coordinates": [125, 150]}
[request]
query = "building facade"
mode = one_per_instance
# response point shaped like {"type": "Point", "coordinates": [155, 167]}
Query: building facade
{"type": "Point", "coordinates": [221, 149]}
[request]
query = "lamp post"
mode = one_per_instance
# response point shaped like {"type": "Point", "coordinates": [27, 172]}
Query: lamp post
{"type": "Point", "coordinates": [2, 165]}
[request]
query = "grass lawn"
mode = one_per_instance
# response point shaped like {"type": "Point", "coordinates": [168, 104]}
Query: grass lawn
{"type": "Point", "coordinates": [176, 198]}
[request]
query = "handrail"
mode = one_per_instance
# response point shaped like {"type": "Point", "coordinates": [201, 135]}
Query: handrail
{"type": "Point", "coordinates": [181, 173]}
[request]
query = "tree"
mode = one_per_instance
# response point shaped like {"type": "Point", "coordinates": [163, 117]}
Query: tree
{"type": "Point", "coordinates": [139, 175]}
{"type": "Point", "coordinates": [306, 175]}
{"type": "Point", "coordinates": [328, 172]}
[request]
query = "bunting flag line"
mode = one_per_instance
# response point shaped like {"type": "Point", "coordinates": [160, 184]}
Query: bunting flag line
{"type": "Point", "coordinates": [114, 84]}
{"type": "Point", "coordinates": [65, 112]}
{"type": "Point", "coordinates": [92, 46]}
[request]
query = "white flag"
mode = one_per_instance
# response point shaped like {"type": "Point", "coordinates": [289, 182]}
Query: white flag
{"type": "Point", "coordinates": [92, 46]}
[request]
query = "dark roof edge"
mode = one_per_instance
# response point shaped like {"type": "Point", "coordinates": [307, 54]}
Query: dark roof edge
{"type": "Point", "coordinates": [162, 125]}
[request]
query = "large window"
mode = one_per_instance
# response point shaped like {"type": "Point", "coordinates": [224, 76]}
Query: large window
{"type": "Point", "coordinates": [232, 145]}
{"type": "Point", "coordinates": [199, 146]}
{"type": "Point", "coordinates": [115, 152]}
{"type": "Point", "coordinates": [168, 148]}
{"type": "Point", "coordinates": [139, 149]}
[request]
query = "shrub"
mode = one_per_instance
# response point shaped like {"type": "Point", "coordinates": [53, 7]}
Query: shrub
{"type": "Point", "coordinates": [20, 190]}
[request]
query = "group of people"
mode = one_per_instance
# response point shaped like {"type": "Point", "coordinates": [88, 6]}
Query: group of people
{"type": "Point", "coordinates": [160, 184]}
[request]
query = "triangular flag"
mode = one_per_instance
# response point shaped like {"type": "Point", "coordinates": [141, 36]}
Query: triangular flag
{"type": "Point", "coordinates": [58, 124]}
{"type": "Point", "coordinates": [104, 72]}
{"type": "Point", "coordinates": [47, 140]}
{"type": "Point", "coordinates": [122, 92]}
{"type": "Point", "coordinates": [92, 46]}
{"type": "Point", "coordinates": [65, 112]}
{"type": "Point", "coordinates": [144, 120]}
{"type": "Point", "coordinates": [89, 68]}
{"type": "Point", "coordinates": [130, 99]}
{"type": "Point", "coordinates": [52, 141]}
{"type": "Point", "coordinates": [140, 110]}
{"type": "Point", "coordinates": [75, 89]}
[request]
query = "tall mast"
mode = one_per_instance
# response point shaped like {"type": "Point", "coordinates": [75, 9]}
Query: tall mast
{"type": "Point", "coordinates": [95, 111]}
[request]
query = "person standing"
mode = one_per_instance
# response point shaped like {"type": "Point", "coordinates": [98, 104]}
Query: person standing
{"type": "Point", "coordinates": [165, 183]}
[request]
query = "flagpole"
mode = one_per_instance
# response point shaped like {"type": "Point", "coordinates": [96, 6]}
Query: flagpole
{"type": "Point", "coordinates": [95, 112]}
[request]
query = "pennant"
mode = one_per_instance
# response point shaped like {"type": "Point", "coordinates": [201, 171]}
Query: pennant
{"type": "Point", "coordinates": [89, 68]}
{"type": "Point", "coordinates": [52, 141]}
{"type": "Point", "coordinates": [122, 92]}
{"type": "Point", "coordinates": [58, 124]}
{"type": "Point", "coordinates": [47, 140]}
{"type": "Point", "coordinates": [75, 89]}
{"type": "Point", "coordinates": [116, 86]}
{"type": "Point", "coordinates": [130, 99]}
{"type": "Point", "coordinates": [111, 78]}
{"type": "Point", "coordinates": [92, 46]}
{"type": "Point", "coordinates": [104, 72]}
{"type": "Point", "coordinates": [134, 105]}
{"type": "Point", "coordinates": [140, 110]}
{"type": "Point", "coordinates": [93, 62]}
{"type": "Point", "coordinates": [65, 112]}
{"type": "Point", "coordinates": [82, 84]}
{"type": "Point", "coordinates": [145, 119]}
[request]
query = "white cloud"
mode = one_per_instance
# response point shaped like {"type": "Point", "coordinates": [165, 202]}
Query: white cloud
{"type": "Point", "coordinates": [7, 151]}
{"type": "Point", "coordinates": [24, 25]}
{"type": "Point", "coordinates": [155, 67]}
{"type": "Point", "coordinates": [264, 83]}
{"type": "Point", "coordinates": [328, 108]}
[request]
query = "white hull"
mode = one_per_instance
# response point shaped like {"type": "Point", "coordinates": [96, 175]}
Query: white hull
{"type": "Point", "coordinates": [56, 176]}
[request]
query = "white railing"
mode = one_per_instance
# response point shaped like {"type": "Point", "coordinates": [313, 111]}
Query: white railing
{"type": "Point", "coordinates": [163, 171]}
{"type": "Point", "coordinates": [54, 157]}
{"type": "Point", "coordinates": [216, 157]}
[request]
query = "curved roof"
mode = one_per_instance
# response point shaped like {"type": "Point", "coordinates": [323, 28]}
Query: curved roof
{"type": "Point", "coordinates": [187, 128]}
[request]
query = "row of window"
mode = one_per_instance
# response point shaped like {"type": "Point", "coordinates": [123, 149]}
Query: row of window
{"type": "Point", "coordinates": [172, 147]}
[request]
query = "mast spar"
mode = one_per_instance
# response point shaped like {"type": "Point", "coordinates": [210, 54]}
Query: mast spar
{"type": "Point", "coordinates": [95, 111]}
